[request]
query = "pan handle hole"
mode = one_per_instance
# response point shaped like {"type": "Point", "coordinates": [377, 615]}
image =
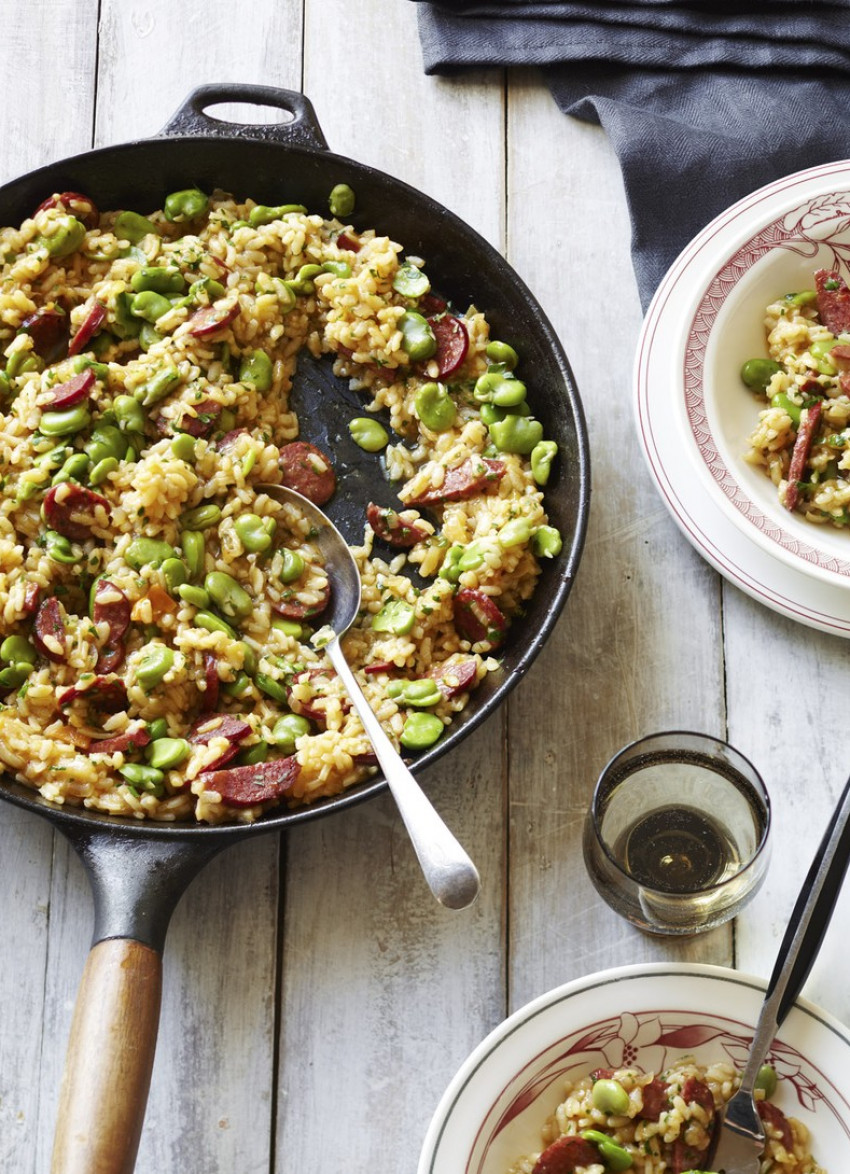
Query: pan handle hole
{"type": "Point", "coordinates": [246, 113]}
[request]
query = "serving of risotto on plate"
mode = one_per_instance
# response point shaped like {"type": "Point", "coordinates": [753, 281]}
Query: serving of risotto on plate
{"type": "Point", "coordinates": [624, 1119]}
{"type": "Point", "coordinates": [802, 439]}
{"type": "Point", "coordinates": [157, 604]}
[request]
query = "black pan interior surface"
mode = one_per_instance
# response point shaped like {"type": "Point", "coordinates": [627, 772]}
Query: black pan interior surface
{"type": "Point", "coordinates": [463, 268]}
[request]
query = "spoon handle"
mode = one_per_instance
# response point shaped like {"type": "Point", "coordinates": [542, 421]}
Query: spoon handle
{"type": "Point", "coordinates": [806, 928]}
{"type": "Point", "coordinates": [448, 870]}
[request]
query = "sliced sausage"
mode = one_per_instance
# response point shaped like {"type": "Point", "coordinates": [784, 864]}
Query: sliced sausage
{"type": "Point", "coordinates": [344, 241]}
{"type": "Point", "coordinates": [697, 1091]}
{"type": "Point", "coordinates": [226, 442]}
{"type": "Point", "coordinates": [134, 740]}
{"type": "Point", "coordinates": [455, 677]}
{"type": "Point", "coordinates": [112, 607]}
{"type": "Point", "coordinates": [49, 634]}
{"type": "Point", "coordinates": [655, 1099]}
{"type": "Point", "coordinates": [73, 391]}
{"type": "Point", "coordinates": [219, 725]}
{"type": "Point", "coordinates": [211, 680]}
{"type": "Point", "coordinates": [773, 1116]}
{"type": "Point", "coordinates": [107, 694]}
{"type": "Point", "coordinates": [207, 412]}
{"type": "Point", "coordinates": [211, 319]}
{"type": "Point", "coordinates": [32, 598]}
{"type": "Point", "coordinates": [80, 206]}
{"type": "Point", "coordinates": [70, 510]}
{"type": "Point", "coordinates": [452, 342]}
{"type": "Point", "coordinates": [246, 786]}
{"type": "Point", "coordinates": [833, 300]}
{"type": "Point", "coordinates": [391, 528]}
{"type": "Point", "coordinates": [379, 666]}
{"type": "Point", "coordinates": [291, 608]}
{"type": "Point", "coordinates": [307, 470]}
{"type": "Point", "coordinates": [478, 618]}
{"type": "Point", "coordinates": [464, 481]}
{"type": "Point", "coordinates": [565, 1155]}
{"type": "Point", "coordinates": [88, 329]}
{"type": "Point", "coordinates": [800, 453]}
{"type": "Point", "coordinates": [48, 328]}
{"type": "Point", "coordinates": [314, 707]}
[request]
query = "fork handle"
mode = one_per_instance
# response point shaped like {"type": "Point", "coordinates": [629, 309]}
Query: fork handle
{"type": "Point", "coordinates": [803, 937]}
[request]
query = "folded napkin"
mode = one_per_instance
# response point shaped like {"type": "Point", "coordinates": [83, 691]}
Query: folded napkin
{"type": "Point", "coordinates": [703, 101]}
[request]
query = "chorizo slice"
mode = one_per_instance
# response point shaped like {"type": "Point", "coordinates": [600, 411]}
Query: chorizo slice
{"type": "Point", "coordinates": [70, 509]}
{"type": "Point", "coordinates": [452, 343]}
{"type": "Point", "coordinates": [246, 786]}
{"type": "Point", "coordinates": [88, 329]}
{"type": "Point", "coordinates": [207, 412]}
{"type": "Point", "coordinates": [111, 607]}
{"type": "Point", "coordinates": [773, 1116]}
{"type": "Point", "coordinates": [565, 1155]}
{"type": "Point", "coordinates": [106, 694]}
{"type": "Point", "coordinates": [655, 1099]}
{"type": "Point", "coordinates": [211, 319]}
{"type": "Point", "coordinates": [48, 328]}
{"type": "Point", "coordinates": [307, 470]}
{"type": "Point", "coordinates": [800, 453]}
{"type": "Point", "coordinates": [133, 740]}
{"type": "Point", "coordinates": [78, 205]}
{"type": "Point", "coordinates": [833, 300]}
{"type": "Point", "coordinates": [291, 607]}
{"type": "Point", "coordinates": [478, 618]}
{"type": "Point", "coordinates": [70, 393]}
{"type": "Point", "coordinates": [472, 476]}
{"type": "Point", "coordinates": [219, 725]}
{"type": "Point", "coordinates": [398, 530]}
{"type": "Point", "coordinates": [455, 677]}
{"type": "Point", "coordinates": [49, 634]}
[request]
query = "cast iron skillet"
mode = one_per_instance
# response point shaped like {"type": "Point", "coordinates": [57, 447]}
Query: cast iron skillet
{"type": "Point", "coordinates": [139, 871]}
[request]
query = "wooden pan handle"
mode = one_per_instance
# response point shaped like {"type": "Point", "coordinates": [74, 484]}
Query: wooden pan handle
{"type": "Point", "coordinates": [110, 1057]}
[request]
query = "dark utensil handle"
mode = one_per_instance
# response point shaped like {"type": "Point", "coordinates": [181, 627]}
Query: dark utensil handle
{"type": "Point", "coordinates": [301, 129]}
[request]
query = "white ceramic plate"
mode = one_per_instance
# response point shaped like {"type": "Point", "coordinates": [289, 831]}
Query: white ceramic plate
{"type": "Point", "coordinates": [493, 1111]}
{"type": "Point", "coordinates": [694, 414]}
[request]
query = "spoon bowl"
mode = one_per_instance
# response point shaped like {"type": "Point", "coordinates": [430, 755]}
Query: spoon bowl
{"type": "Point", "coordinates": [448, 870]}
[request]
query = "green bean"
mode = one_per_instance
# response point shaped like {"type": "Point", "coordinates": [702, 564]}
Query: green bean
{"type": "Point", "coordinates": [226, 420]}
{"type": "Point", "coordinates": [167, 753]}
{"type": "Point", "coordinates": [228, 596]}
{"type": "Point", "coordinates": [302, 283]}
{"type": "Point", "coordinates": [766, 1080]}
{"type": "Point", "coordinates": [503, 354]}
{"type": "Point", "coordinates": [130, 226]}
{"type": "Point", "coordinates": [285, 295]}
{"type": "Point", "coordinates": [757, 373]}
{"type": "Point", "coordinates": [129, 414]}
{"type": "Point", "coordinates": [162, 279]}
{"type": "Point", "coordinates": [516, 434]}
{"type": "Point", "coordinates": [257, 369]}
{"type": "Point", "coordinates": [188, 204]}
{"type": "Point", "coordinates": [65, 422]}
{"type": "Point", "coordinates": [292, 566]}
{"type": "Point", "coordinates": [102, 342]}
{"type": "Point", "coordinates": [252, 533]}
{"type": "Point", "coordinates": [337, 268]}
{"type": "Point", "coordinates": [238, 687]}
{"type": "Point", "coordinates": [791, 409]}
{"type": "Point", "coordinates": [609, 1096]}
{"type": "Point", "coordinates": [435, 407]}
{"type": "Point", "coordinates": [149, 305]}
{"type": "Point", "coordinates": [613, 1155]}
{"type": "Point", "coordinates": [148, 336]}
{"type": "Point", "coordinates": [125, 324]}
{"type": "Point", "coordinates": [410, 281]}
{"type": "Point", "coordinates": [14, 675]}
{"type": "Point", "coordinates": [183, 447]}
{"type": "Point", "coordinates": [143, 552]}
{"type": "Point", "coordinates": [155, 662]}
{"type": "Point", "coordinates": [81, 363]}
{"type": "Point", "coordinates": [451, 564]}
{"type": "Point", "coordinates": [417, 338]}
{"type": "Point", "coordinates": [5, 386]}
{"type": "Point", "coordinates": [251, 755]}
{"type": "Point", "coordinates": [368, 433]}
{"type": "Point", "coordinates": [248, 461]}
{"type": "Point", "coordinates": [147, 777]}
{"type": "Point", "coordinates": [542, 456]}
{"type": "Point", "coordinates": [212, 623]}
{"type": "Point", "coordinates": [546, 542]}
{"type": "Point", "coordinates": [419, 694]}
{"type": "Point", "coordinates": [201, 517]}
{"type": "Point", "coordinates": [803, 298]}
{"type": "Point", "coordinates": [174, 572]}
{"type": "Point", "coordinates": [263, 214]}
{"type": "Point", "coordinates": [158, 386]}
{"type": "Point", "coordinates": [500, 389]}
{"type": "Point", "coordinates": [341, 201]}
{"type": "Point", "coordinates": [420, 731]}
{"type": "Point", "coordinates": [197, 596]}
{"type": "Point", "coordinates": [270, 687]}
{"type": "Point", "coordinates": [471, 558]}
{"type": "Point", "coordinates": [64, 236]}
{"type": "Point", "coordinates": [249, 658]}
{"type": "Point", "coordinates": [287, 729]}
{"type": "Point", "coordinates": [22, 362]}
{"type": "Point", "coordinates": [17, 650]}
{"type": "Point", "coordinates": [208, 285]}
{"type": "Point", "coordinates": [59, 548]}
{"type": "Point", "coordinates": [158, 729]}
{"type": "Point", "coordinates": [396, 616]}
{"type": "Point", "coordinates": [516, 532]}
{"type": "Point", "coordinates": [74, 469]}
{"type": "Point", "coordinates": [194, 552]}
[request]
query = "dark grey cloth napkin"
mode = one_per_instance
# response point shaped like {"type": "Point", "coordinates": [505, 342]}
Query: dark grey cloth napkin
{"type": "Point", "coordinates": [702, 102]}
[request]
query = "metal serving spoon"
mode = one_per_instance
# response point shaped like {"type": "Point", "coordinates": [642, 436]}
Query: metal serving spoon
{"type": "Point", "coordinates": [449, 872]}
{"type": "Point", "coordinates": [741, 1137]}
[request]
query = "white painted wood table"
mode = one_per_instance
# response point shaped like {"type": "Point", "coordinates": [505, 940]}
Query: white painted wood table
{"type": "Point", "coordinates": [317, 1000]}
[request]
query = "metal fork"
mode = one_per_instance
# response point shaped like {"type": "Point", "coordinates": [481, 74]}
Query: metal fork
{"type": "Point", "coordinates": [740, 1141]}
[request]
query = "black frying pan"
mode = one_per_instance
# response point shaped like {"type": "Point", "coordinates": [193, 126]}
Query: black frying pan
{"type": "Point", "coordinates": [139, 871]}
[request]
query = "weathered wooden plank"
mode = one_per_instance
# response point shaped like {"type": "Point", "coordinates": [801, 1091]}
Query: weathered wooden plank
{"type": "Point", "coordinates": [613, 671]}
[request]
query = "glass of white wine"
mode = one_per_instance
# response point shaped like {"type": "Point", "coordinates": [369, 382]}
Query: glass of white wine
{"type": "Point", "coordinates": [676, 838]}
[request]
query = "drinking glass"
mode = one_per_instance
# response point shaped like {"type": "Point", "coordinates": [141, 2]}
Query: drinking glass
{"type": "Point", "coordinates": [676, 838]}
